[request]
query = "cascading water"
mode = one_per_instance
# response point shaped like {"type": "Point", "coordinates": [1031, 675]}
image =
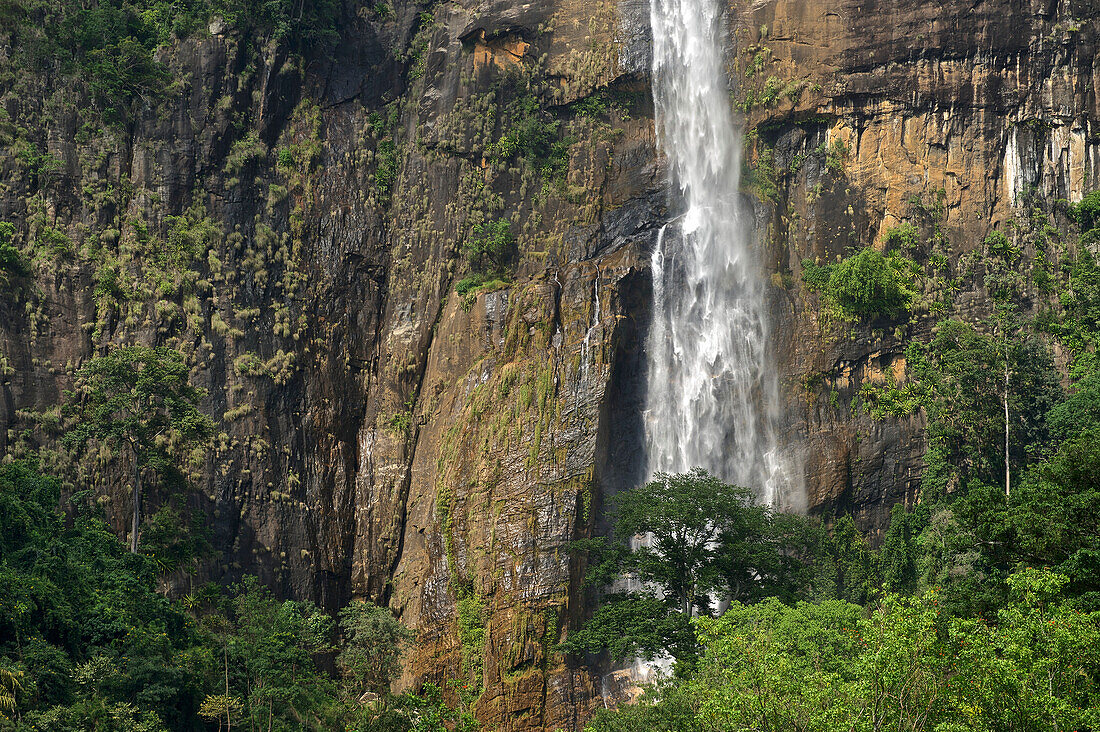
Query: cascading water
{"type": "Point", "coordinates": [712, 391]}
{"type": "Point", "coordinates": [713, 395]}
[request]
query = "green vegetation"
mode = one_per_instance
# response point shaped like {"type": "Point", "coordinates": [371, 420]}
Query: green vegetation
{"type": "Point", "coordinates": [976, 612]}
{"type": "Point", "coordinates": [139, 399]}
{"type": "Point", "coordinates": [980, 608]}
{"type": "Point", "coordinates": [906, 665]}
{"type": "Point", "coordinates": [471, 632]}
{"type": "Point", "coordinates": [867, 284]}
{"type": "Point", "coordinates": [374, 641]}
{"type": "Point", "coordinates": [111, 46]}
{"type": "Point", "coordinates": [533, 137]}
{"type": "Point", "coordinates": [87, 643]}
{"type": "Point", "coordinates": [12, 262]}
{"type": "Point", "coordinates": [489, 246]}
{"type": "Point", "coordinates": [707, 539]}
{"type": "Point", "coordinates": [385, 172]}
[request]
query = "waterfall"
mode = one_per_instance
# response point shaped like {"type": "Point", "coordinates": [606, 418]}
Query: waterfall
{"type": "Point", "coordinates": [713, 397]}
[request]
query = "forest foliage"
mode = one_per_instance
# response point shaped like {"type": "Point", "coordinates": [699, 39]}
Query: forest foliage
{"type": "Point", "coordinates": [88, 642]}
{"type": "Point", "coordinates": [112, 45]}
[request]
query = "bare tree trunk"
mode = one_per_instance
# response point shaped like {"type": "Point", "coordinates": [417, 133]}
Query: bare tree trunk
{"type": "Point", "coordinates": [137, 506]}
{"type": "Point", "coordinates": [1008, 469]}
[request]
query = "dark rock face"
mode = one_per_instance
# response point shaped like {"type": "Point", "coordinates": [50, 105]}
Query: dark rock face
{"type": "Point", "coordinates": [385, 437]}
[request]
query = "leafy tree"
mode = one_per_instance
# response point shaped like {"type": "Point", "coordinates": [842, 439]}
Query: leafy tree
{"type": "Point", "coordinates": [904, 666]}
{"type": "Point", "coordinates": [897, 555]}
{"type": "Point", "coordinates": [1054, 518]}
{"type": "Point", "coordinates": [684, 517]}
{"type": "Point", "coordinates": [961, 373]}
{"type": "Point", "coordinates": [705, 540]}
{"type": "Point", "coordinates": [869, 283]}
{"type": "Point", "coordinates": [1077, 413]}
{"type": "Point", "coordinates": [1078, 327]}
{"type": "Point", "coordinates": [373, 643]}
{"type": "Point", "coordinates": [489, 246]}
{"type": "Point", "coordinates": [629, 626]}
{"type": "Point", "coordinates": [81, 620]}
{"type": "Point", "coordinates": [139, 399]}
{"type": "Point", "coordinates": [1087, 212]}
{"type": "Point", "coordinates": [851, 561]}
{"type": "Point", "coordinates": [272, 649]}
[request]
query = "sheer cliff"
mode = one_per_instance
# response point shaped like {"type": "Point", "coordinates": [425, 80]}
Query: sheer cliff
{"type": "Point", "coordinates": [393, 426]}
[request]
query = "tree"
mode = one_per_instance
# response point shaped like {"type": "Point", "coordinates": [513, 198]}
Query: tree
{"type": "Point", "coordinates": [702, 540]}
{"type": "Point", "coordinates": [962, 374]}
{"type": "Point", "coordinates": [897, 555]}
{"type": "Point", "coordinates": [373, 645]}
{"type": "Point", "coordinates": [490, 246]}
{"type": "Point", "coordinates": [273, 648]}
{"type": "Point", "coordinates": [81, 620]}
{"type": "Point", "coordinates": [901, 665]}
{"type": "Point", "coordinates": [869, 284]}
{"type": "Point", "coordinates": [140, 399]}
{"type": "Point", "coordinates": [852, 562]}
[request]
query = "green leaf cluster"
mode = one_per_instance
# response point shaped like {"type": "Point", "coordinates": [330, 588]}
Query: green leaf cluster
{"type": "Point", "coordinates": [489, 246]}
{"type": "Point", "coordinates": [88, 643]}
{"type": "Point", "coordinates": [905, 665]}
{"type": "Point", "coordinates": [112, 45]}
{"type": "Point", "coordinates": [868, 284]}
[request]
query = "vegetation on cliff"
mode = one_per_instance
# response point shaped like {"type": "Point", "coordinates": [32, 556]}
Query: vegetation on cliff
{"type": "Point", "coordinates": [87, 641]}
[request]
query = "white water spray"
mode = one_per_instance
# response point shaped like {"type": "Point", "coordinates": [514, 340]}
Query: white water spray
{"type": "Point", "coordinates": [713, 397]}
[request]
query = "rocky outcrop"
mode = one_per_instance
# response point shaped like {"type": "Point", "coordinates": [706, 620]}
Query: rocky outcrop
{"type": "Point", "coordinates": [296, 229]}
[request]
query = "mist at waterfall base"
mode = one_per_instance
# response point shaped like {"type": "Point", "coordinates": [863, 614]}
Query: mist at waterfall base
{"type": "Point", "coordinates": [712, 388]}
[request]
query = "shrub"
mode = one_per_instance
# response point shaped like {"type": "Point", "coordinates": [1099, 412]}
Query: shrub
{"type": "Point", "coordinates": [11, 259]}
{"type": "Point", "coordinates": [534, 139]}
{"type": "Point", "coordinates": [1087, 212]}
{"type": "Point", "coordinates": [999, 245]}
{"type": "Point", "coordinates": [468, 288]}
{"type": "Point", "coordinates": [385, 172]}
{"type": "Point", "coordinates": [866, 284]}
{"type": "Point", "coordinates": [489, 246]}
{"type": "Point", "coordinates": [815, 276]}
{"type": "Point", "coordinates": [869, 284]}
{"type": "Point", "coordinates": [302, 25]}
{"type": "Point", "coordinates": [901, 238]}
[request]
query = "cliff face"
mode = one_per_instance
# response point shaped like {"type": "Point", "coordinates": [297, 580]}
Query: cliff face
{"type": "Point", "coordinates": [296, 229]}
{"type": "Point", "coordinates": [956, 118]}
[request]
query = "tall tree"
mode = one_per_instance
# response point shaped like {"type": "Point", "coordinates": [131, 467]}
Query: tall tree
{"type": "Point", "coordinates": [703, 541]}
{"type": "Point", "coordinates": [374, 642]}
{"type": "Point", "coordinates": [139, 399]}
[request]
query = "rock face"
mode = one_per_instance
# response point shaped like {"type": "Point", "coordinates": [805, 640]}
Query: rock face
{"type": "Point", "coordinates": [957, 118]}
{"type": "Point", "coordinates": [297, 230]}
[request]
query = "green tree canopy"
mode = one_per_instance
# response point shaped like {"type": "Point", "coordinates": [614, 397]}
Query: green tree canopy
{"type": "Point", "coordinates": [139, 399]}
{"type": "Point", "coordinates": [684, 542]}
{"type": "Point", "coordinates": [374, 642]}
